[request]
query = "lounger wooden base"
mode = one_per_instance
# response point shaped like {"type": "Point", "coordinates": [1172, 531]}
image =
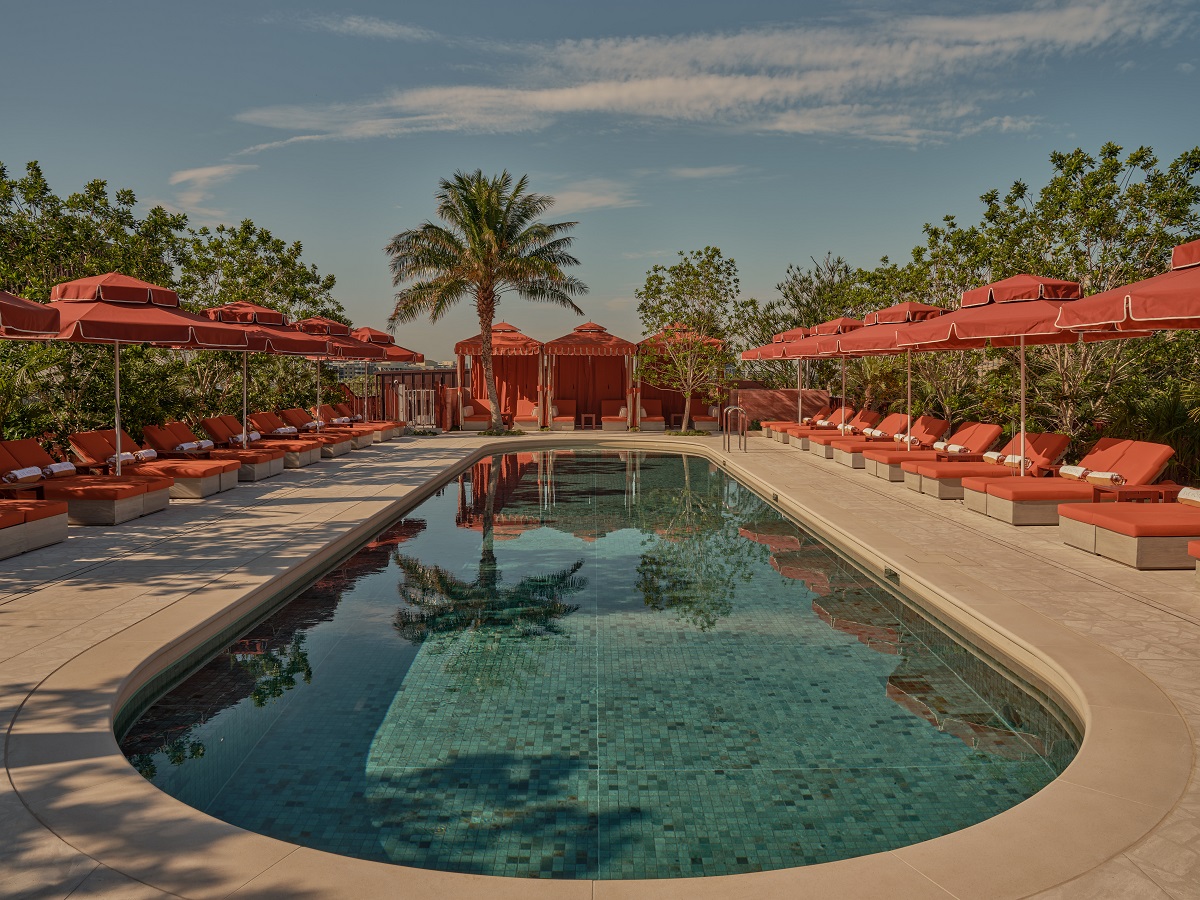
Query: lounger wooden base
{"type": "Point", "coordinates": [1080, 535]}
{"type": "Point", "coordinates": [653, 426]}
{"type": "Point", "coordinates": [106, 512]}
{"type": "Point", "coordinates": [1144, 552]}
{"type": "Point", "coordinates": [614, 426]}
{"type": "Point", "coordinates": [476, 424]}
{"type": "Point", "coordinates": [799, 442]}
{"type": "Point", "coordinates": [976, 501]}
{"type": "Point", "coordinates": [854, 460]}
{"type": "Point", "coordinates": [782, 436]}
{"type": "Point", "coordinates": [22, 538]}
{"type": "Point", "coordinates": [334, 450]}
{"type": "Point", "coordinates": [941, 488]}
{"type": "Point", "coordinates": [198, 488]}
{"type": "Point", "coordinates": [890, 472]}
{"type": "Point", "coordinates": [1024, 512]}
{"type": "Point", "coordinates": [558, 425]}
{"type": "Point", "coordinates": [259, 471]}
{"type": "Point", "coordinates": [825, 451]}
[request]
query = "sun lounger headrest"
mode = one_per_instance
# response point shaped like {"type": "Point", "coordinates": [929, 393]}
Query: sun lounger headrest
{"type": "Point", "coordinates": [59, 470]}
{"type": "Point", "coordinates": [24, 475]}
{"type": "Point", "coordinates": [1189, 496]}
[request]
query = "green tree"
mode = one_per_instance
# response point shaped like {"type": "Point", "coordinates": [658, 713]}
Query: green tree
{"type": "Point", "coordinates": [690, 306]}
{"type": "Point", "coordinates": [491, 243]}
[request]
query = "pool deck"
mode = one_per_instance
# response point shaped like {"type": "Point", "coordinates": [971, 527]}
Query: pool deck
{"type": "Point", "coordinates": [84, 623]}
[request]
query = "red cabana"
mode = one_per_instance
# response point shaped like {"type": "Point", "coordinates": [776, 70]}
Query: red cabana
{"type": "Point", "coordinates": [595, 370]}
{"type": "Point", "coordinates": [673, 402]}
{"type": "Point", "coordinates": [518, 368]}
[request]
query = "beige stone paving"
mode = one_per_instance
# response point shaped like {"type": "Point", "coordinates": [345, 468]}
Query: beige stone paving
{"type": "Point", "coordinates": [82, 597]}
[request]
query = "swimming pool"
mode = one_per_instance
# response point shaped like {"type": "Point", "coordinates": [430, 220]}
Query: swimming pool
{"type": "Point", "coordinates": [599, 665]}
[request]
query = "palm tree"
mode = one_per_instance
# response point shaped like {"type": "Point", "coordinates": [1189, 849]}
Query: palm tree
{"type": "Point", "coordinates": [491, 243]}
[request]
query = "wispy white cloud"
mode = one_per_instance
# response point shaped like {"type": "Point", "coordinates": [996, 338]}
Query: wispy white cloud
{"type": "Point", "coordinates": [369, 27]}
{"type": "Point", "coordinates": [196, 187]}
{"type": "Point", "coordinates": [704, 171]}
{"type": "Point", "coordinates": [904, 80]}
{"type": "Point", "coordinates": [1185, 68]}
{"type": "Point", "coordinates": [593, 193]}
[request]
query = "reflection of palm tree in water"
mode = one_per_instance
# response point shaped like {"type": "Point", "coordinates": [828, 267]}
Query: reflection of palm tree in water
{"type": "Point", "coordinates": [437, 603]}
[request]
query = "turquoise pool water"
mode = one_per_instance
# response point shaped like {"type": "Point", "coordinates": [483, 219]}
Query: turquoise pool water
{"type": "Point", "coordinates": [599, 665]}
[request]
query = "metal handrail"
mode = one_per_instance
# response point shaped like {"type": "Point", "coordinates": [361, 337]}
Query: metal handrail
{"type": "Point", "coordinates": [742, 431]}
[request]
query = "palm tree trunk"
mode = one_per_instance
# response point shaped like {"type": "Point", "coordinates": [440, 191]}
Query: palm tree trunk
{"type": "Point", "coordinates": [487, 312]}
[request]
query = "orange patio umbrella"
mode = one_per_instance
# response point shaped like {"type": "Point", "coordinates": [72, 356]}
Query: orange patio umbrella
{"type": "Point", "coordinates": [1014, 312]}
{"type": "Point", "coordinates": [24, 318]}
{"type": "Point", "coordinates": [1167, 301]}
{"type": "Point", "coordinates": [340, 344]}
{"type": "Point", "coordinates": [393, 352]}
{"type": "Point", "coordinates": [267, 331]}
{"type": "Point", "coordinates": [118, 309]}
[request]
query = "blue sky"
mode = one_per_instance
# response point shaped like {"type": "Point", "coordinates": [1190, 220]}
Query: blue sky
{"type": "Point", "coordinates": [776, 131]}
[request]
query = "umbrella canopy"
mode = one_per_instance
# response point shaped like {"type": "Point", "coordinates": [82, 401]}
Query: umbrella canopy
{"type": "Point", "coordinates": [117, 309]}
{"type": "Point", "coordinates": [590, 339]}
{"type": "Point", "coordinates": [393, 351]}
{"type": "Point", "coordinates": [1167, 301]}
{"type": "Point", "coordinates": [1018, 310]}
{"type": "Point", "coordinates": [879, 335]}
{"type": "Point", "coordinates": [337, 334]}
{"type": "Point", "coordinates": [25, 318]}
{"type": "Point", "coordinates": [507, 340]}
{"type": "Point", "coordinates": [267, 330]}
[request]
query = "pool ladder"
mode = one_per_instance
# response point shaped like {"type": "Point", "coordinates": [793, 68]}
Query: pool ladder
{"type": "Point", "coordinates": [743, 425]}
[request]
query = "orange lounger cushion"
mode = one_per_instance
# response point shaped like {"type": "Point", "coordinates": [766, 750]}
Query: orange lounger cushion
{"type": "Point", "coordinates": [1137, 519]}
{"type": "Point", "coordinates": [97, 487]}
{"type": "Point", "coordinates": [35, 510]}
{"type": "Point", "coordinates": [1026, 489]}
{"type": "Point", "coordinates": [965, 471]}
{"type": "Point", "coordinates": [10, 516]}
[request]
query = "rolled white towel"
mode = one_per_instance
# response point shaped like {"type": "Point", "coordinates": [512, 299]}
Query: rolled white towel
{"type": "Point", "coordinates": [1073, 473]}
{"type": "Point", "coordinates": [824, 422]}
{"type": "Point", "coordinates": [955, 448]}
{"type": "Point", "coordinates": [286, 429]}
{"type": "Point", "coordinates": [1189, 496]}
{"type": "Point", "coordinates": [994, 456]}
{"type": "Point", "coordinates": [125, 458]}
{"type": "Point", "coordinates": [59, 470]}
{"type": "Point", "coordinates": [1016, 462]}
{"type": "Point", "coordinates": [187, 445]}
{"type": "Point", "coordinates": [206, 444]}
{"type": "Point", "coordinates": [148, 453]}
{"type": "Point", "coordinates": [940, 445]}
{"type": "Point", "coordinates": [342, 420]}
{"type": "Point", "coordinates": [23, 476]}
{"type": "Point", "coordinates": [1104, 478]}
{"type": "Point", "coordinates": [313, 425]}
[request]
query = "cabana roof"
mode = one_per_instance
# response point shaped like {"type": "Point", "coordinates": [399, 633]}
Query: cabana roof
{"type": "Point", "coordinates": [506, 341]}
{"type": "Point", "coordinates": [678, 332]}
{"type": "Point", "coordinates": [590, 339]}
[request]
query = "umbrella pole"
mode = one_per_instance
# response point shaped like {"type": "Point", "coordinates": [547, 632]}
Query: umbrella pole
{"type": "Point", "coordinates": [908, 353]}
{"type": "Point", "coordinates": [799, 392]}
{"type": "Point", "coordinates": [317, 412]}
{"type": "Point", "coordinates": [245, 398]}
{"type": "Point", "coordinates": [117, 394]}
{"type": "Point", "coordinates": [1022, 352]}
{"type": "Point", "coordinates": [843, 388]}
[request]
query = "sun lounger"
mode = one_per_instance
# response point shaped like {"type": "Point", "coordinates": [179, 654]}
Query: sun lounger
{"type": "Point", "coordinates": [708, 420]}
{"type": "Point", "coordinates": [796, 436]}
{"type": "Point", "coordinates": [477, 414]}
{"type": "Point", "coordinates": [90, 499]}
{"type": "Point", "coordinates": [848, 448]}
{"type": "Point", "coordinates": [331, 419]}
{"type": "Point", "coordinates": [304, 423]}
{"type": "Point", "coordinates": [820, 442]}
{"type": "Point", "coordinates": [970, 440]}
{"type": "Point", "coordinates": [31, 524]}
{"type": "Point", "coordinates": [650, 416]}
{"type": "Point", "coordinates": [944, 479]}
{"type": "Point", "coordinates": [271, 427]}
{"type": "Point", "coordinates": [1036, 501]}
{"type": "Point", "coordinates": [256, 464]}
{"type": "Point", "coordinates": [562, 415]}
{"type": "Point", "coordinates": [614, 416]}
{"type": "Point", "coordinates": [770, 427]}
{"type": "Point", "coordinates": [193, 479]}
{"type": "Point", "coordinates": [385, 430]}
{"type": "Point", "coordinates": [1141, 535]}
{"type": "Point", "coordinates": [226, 433]}
{"type": "Point", "coordinates": [925, 432]}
